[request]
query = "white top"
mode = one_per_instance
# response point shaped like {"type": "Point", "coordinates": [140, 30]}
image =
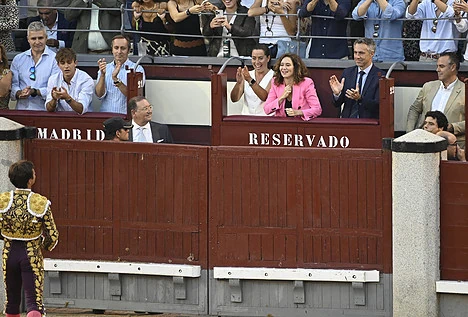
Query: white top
{"type": "Point", "coordinates": [95, 39]}
{"type": "Point", "coordinates": [253, 106]}
{"type": "Point", "coordinates": [462, 27]}
{"type": "Point", "coordinates": [276, 26]}
{"type": "Point", "coordinates": [442, 96]}
{"type": "Point", "coordinates": [136, 132]}
{"type": "Point", "coordinates": [445, 28]}
{"type": "Point", "coordinates": [81, 89]}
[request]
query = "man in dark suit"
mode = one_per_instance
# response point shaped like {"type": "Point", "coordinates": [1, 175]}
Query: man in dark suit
{"type": "Point", "coordinates": [144, 129]}
{"type": "Point", "coordinates": [54, 21]}
{"type": "Point", "coordinates": [358, 89]}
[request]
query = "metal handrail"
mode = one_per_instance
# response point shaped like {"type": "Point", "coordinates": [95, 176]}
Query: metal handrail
{"type": "Point", "coordinates": [393, 66]}
{"type": "Point", "coordinates": [221, 70]}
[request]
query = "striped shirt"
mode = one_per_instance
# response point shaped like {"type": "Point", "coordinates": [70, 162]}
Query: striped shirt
{"type": "Point", "coordinates": [113, 99]}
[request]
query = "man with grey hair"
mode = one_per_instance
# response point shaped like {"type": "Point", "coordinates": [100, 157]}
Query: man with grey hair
{"type": "Point", "coordinates": [358, 89]}
{"type": "Point", "coordinates": [32, 69]}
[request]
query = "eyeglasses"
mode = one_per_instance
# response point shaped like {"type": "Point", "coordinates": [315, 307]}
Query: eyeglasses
{"type": "Point", "coordinates": [376, 30]}
{"type": "Point", "coordinates": [434, 26]}
{"type": "Point", "coordinates": [32, 70]}
{"type": "Point", "coordinates": [453, 144]}
{"type": "Point", "coordinates": [147, 108]}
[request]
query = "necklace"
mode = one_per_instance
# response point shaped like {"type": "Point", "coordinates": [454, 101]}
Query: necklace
{"type": "Point", "coordinates": [268, 27]}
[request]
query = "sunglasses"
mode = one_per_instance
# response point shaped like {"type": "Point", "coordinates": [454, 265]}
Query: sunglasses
{"type": "Point", "coordinates": [434, 26]}
{"type": "Point", "coordinates": [376, 30]}
{"type": "Point", "coordinates": [32, 70]}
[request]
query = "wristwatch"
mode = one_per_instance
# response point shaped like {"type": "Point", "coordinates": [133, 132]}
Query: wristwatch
{"type": "Point", "coordinates": [117, 82]}
{"type": "Point", "coordinates": [188, 12]}
{"type": "Point", "coordinates": [252, 82]}
{"type": "Point", "coordinates": [68, 100]}
{"type": "Point", "coordinates": [34, 92]}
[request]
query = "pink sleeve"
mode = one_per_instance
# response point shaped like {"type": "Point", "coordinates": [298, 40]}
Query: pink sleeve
{"type": "Point", "coordinates": [271, 104]}
{"type": "Point", "coordinates": [312, 107]}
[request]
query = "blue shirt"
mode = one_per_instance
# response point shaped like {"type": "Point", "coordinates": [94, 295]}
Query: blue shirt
{"type": "Point", "coordinates": [20, 68]}
{"type": "Point", "coordinates": [445, 28]}
{"type": "Point", "coordinates": [335, 27]}
{"type": "Point", "coordinates": [113, 99]}
{"type": "Point", "coordinates": [388, 27]}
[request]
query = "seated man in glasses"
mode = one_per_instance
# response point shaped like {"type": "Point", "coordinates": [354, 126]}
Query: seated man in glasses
{"type": "Point", "coordinates": [436, 26]}
{"type": "Point", "coordinates": [71, 89]}
{"type": "Point", "coordinates": [145, 130]}
{"type": "Point", "coordinates": [454, 152]}
{"type": "Point", "coordinates": [32, 69]}
{"type": "Point", "coordinates": [447, 94]}
{"type": "Point", "coordinates": [380, 23]}
{"type": "Point", "coordinates": [116, 129]}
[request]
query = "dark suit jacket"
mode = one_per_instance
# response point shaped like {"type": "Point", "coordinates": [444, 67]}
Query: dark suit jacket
{"type": "Point", "coordinates": [369, 104]}
{"type": "Point", "coordinates": [243, 26]}
{"type": "Point", "coordinates": [66, 36]}
{"type": "Point", "coordinates": [108, 20]}
{"type": "Point", "coordinates": [158, 131]}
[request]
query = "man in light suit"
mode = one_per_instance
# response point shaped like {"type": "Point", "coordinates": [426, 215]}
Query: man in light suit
{"type": "Point", "coordinates": [359, 102]}
{"type": "Point", "coordinates": [447, 94]}
{"type": "Point", "coordinates": [144, 129]}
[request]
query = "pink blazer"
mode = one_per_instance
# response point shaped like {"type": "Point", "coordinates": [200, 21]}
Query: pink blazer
{"type": "Point", "coordinates": [304, 97]}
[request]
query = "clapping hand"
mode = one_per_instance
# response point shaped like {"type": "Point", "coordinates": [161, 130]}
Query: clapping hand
{"type": "Point", "coordinates": [239, 76]}
{"type": "Point", "coordinates": [353, 93]}
{"type": "Point", "coordinates": [287, 91]}
{"type": "Point", "coordinates": [335, 85]}
{"type": "Point", "coordinates": [102, 65]}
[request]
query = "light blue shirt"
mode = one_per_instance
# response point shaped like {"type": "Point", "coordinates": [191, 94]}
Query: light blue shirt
{"type": "Point", "coordinates": [388, 27]}
{"type": "Point", "coordinates": [80, 89]}
{"type": "Point", "coordinates": [445, 28]}
{"type": "Point", "coordinates": [20, 68]}
{"type": "Point", "coordinates": [113, 99]}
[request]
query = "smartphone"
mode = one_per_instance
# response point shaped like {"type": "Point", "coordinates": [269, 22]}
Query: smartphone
{"type": "Point", "coordinates": [205, 2]}
{"type": "Point", "coordinates": [219, 13]}
{"type": "Point", "coordinates": [275, 3]}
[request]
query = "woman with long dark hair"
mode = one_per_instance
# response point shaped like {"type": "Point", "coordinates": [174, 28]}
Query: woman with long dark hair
{"type": "Point", "coordinates": [292, 93]}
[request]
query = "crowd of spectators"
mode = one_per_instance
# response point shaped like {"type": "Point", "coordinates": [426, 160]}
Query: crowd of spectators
{"type": "Point", "coordinates": [233, 28]}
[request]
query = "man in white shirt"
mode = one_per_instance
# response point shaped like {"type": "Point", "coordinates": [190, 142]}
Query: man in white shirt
{"type": "Point", "coordinates": [145, 130]}
{"type": "Point", "coordinates": [71, 89]}
{"type": "Point", "coordinates": [104, 16]}
{"type": "Point", "coordinates": [447, 94]}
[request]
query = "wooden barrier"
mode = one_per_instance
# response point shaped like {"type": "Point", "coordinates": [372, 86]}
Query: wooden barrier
{"type": "Point", "coordinates": [453, 221]}
{"type": "Point", "coordinates": [125, 202]}
{"type": "Point", "coordinates": [310, 209]}
{"type": "Point", "coordinates": [326, 208]}
{"type": "Point", "coordinates": [286, 132]}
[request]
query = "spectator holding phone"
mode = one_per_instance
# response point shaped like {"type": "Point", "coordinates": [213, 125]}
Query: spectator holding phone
{"type": "Point", "coordinates": [71, 89]}
{"type": "Point", "coordinates": [230, 26]}
{"type": "Point", "coordinates": [274, 22]}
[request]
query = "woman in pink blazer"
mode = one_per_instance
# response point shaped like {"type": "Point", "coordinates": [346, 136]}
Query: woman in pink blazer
{"type": "Point", "coordinates": [292, 93]}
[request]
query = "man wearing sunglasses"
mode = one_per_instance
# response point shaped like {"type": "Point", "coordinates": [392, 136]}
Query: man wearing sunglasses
{"type": "Point", "coordinates": [32, 69]}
